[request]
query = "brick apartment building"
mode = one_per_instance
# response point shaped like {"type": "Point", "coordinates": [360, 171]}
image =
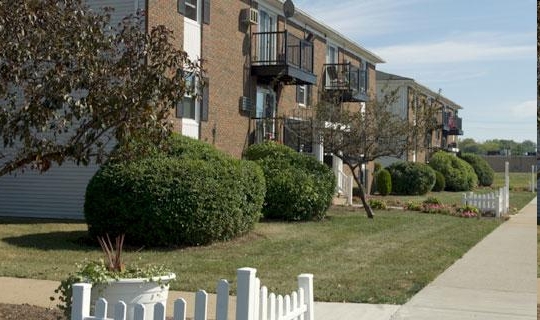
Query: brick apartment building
{"type": "Point", "coordinates": [264, 73]}
{"type": "Point", "coordinates": [411, 96]}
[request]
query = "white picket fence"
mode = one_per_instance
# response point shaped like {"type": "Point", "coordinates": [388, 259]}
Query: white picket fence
{"type": "Point", "coordinates": [253, 302]}
{"type": "Point", "coordinates": [496, 202]}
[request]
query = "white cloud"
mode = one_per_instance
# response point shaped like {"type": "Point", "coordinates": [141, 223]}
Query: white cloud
{"type": "Point", "coordinates": [360, 19]}
{"type": "Point", "coordinates": [453, 51]}
{"type": "Point", "coordinates": [524, 111]}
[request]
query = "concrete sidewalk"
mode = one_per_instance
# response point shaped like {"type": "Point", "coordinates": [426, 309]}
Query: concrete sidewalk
{"type": "Point", "coordinates": [495, 280]}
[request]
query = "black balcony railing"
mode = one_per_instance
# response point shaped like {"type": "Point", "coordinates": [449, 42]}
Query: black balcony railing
{"type": "Point", "coordinates": [452, 124]}
{"type": "Point", "coordinates": [281, 55]}
{"type": "Point", "coordinates": [349, 79]}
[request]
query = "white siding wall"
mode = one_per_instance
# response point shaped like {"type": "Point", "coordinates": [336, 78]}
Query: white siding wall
{"type": "Point", "coordinates": [59, 192]}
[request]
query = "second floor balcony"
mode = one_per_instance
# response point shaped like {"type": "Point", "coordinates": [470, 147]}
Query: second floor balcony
{"type": "Point", "coordinates": [282, 57]}
{"type": "Point", "coordinates": [452, 124]}
{"type": "Point", "coordinates": [349, 81]}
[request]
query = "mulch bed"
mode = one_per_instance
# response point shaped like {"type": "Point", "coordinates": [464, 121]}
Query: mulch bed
{"type": "Point", "coordinates": [28, 312]}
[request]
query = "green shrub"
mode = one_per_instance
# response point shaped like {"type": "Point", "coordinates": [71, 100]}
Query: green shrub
{"type": "Point", "coordinates": [440, 183]}
{"type": "Point", "coordinates": [171, 200]}
{"type": "Point", "coordinates": [432, 200]}
{"type": "Point", "coordinates": [481, 167]}
{"type": "Point", "coordinates": [412, 206]}
{"type": "Point", "coordinates": [377, 204]}
{"type": "Point", "coordinates": [384, 182]}
{"type": "Point", "coordinates": [411, 178]}
{"type": "Point", "coordinates": [298, 187]}
{"type": "Point", "coordinates": [458, 174]}
{"type": "Point", "coordinates": [377, 166]}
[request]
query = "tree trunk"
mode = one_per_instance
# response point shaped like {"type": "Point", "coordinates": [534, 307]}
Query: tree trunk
{"type": "Point", "coordinates": [369, 211]}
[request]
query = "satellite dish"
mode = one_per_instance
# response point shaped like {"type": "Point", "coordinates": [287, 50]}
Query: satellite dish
{"type": "Point", "coordinates": [288, 8]}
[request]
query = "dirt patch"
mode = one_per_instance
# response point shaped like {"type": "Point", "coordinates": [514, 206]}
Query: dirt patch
{"type": "Point", "coordinates": [28, 312]}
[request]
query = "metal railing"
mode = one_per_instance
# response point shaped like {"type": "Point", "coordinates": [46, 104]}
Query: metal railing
{"type": "Point", "coordinates": [281, 48]}
{"type": "Point", "coordinates": [344, 76]}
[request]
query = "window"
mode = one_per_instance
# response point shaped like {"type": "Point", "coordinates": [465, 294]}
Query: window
{"type": "Point", "coordinates": [303, 95]}
{"type": "Point", "coordinates": [186, 108]}
{"type": "Point", "coordinates": [191, 9]}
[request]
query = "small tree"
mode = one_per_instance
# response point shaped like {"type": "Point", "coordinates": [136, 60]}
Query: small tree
{"type": "Point", "coordinates": [72, 86]}
{"type": "Point", "coordinates": [375, 131]}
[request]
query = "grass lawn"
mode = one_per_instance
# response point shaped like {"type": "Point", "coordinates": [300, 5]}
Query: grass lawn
{"type": "Point", "coordinates": [354, 259]}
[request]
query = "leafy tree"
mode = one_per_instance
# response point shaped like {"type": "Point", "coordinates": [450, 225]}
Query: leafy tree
{"type": "Point", "coordinates": [72, 86]}
{"type": "Point", "coordinates": [358, 137]}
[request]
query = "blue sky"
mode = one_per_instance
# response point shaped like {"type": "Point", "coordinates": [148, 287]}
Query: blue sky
{"type": "Point", "coordinates": [480, 53]}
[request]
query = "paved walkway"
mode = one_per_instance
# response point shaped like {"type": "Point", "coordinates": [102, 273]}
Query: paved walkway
{"type": "Point", "coordinates": [495, 280]}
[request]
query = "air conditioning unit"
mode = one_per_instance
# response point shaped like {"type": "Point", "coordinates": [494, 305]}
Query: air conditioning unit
{"type": "Point", "coordinates": [245, 104]}
{"type": "Point", "coordinates": [250, 16]}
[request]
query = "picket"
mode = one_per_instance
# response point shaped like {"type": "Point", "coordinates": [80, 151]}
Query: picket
{"type": "Point", "coordinates": [253, 302]}
{"type": "Point", "coordinates": [495, 202]}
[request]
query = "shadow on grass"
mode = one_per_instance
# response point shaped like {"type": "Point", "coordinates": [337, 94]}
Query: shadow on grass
{"type": "Point", "coordinates": [16, 220]}
{"type": "Point", "coordinates": [58, 240]}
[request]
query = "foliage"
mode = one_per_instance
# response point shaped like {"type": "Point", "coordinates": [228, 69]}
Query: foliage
{"type": "Point", "coordinates": [458, 174]}
{"type": "Point", "coordinates": [377, 166]}
{"type": "Point", "coordinates": [467, 211]}
{"type": "Point", "coordinates": [298, 187]}
{"type": "Point", "coordinates": [440, 182]}
{"type": "Point", "coordinates": [72, 85]}
{"type": "Point", "coordinates": [469, 145]}
{"type": "Point", "coordinates": [377, 204]}
{"type": "Point", "coordinates": [410, 178]}
{"type": "Point", "coordinates": [431, 200]}
{"type": "Point", "coordinates": [412, 206]}
{"type": "Point", "coordinates": [173, 199]}
{"type": "Point", "coordinates": [482, 169]}
{"type": "Point", "coordinates": [384, 182]}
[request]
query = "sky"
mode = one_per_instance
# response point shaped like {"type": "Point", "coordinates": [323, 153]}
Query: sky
{"type": "Point", "coordinates": [480, 53]}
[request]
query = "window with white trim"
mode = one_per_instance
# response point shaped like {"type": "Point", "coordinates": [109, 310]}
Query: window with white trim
{"type": "Point", "coordinates": [303, 95]}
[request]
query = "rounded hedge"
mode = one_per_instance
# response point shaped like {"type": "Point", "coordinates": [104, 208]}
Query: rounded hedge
{"type": "Point", "coordinates": [440, 183]}
{"type": "Point", "coordinates": [384, 182]}
{"type": "Point", "coordinates": [458, 174]}
{"type": "Point", "coordinates": [481, 167]}
{"type": "Point", "coordinates": [298, 187]}
{"type": "Point", "coordinates": [411, 178]}
{"type": "Point", "coordinates": [176, 199]}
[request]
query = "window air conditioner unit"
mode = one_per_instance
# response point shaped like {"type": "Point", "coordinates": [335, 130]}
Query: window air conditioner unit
{"type": "Point", "coordinates": [245, 104]}
{"type": "Point", "coordinates": [250, 16]}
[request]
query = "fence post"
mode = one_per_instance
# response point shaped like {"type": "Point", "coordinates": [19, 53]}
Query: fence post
{"type": "Point", "coordinates": [506, 186]}
{"type": "Point", "coordinates": [201, 304]}
{"type": "Point", "coordinates": [533, 178]}
{"type": "Point", "coordinates": [349, 190]}
{"type": "Point", "coordinates": [245, 297]}
{"type": "Point", "coordinates": [305, 281]}
{"type": "Point", "coordinates": [222, 303]}
{"type": "Point", "coordinates": [80, 307]}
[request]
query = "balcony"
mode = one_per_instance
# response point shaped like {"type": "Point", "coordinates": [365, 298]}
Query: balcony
{"type": "Point", "coordinates": [452, 124]}
{"type": "Point", "coordinates": [283, 57]}
{"type": "Point", "coordinates": [349, 81]}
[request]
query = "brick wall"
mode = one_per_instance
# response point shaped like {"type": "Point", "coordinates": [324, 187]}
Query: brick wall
{"type": "Point", "coordinates": [164, 12]}
{"type": "Point", "coordinates": [225, 49]}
